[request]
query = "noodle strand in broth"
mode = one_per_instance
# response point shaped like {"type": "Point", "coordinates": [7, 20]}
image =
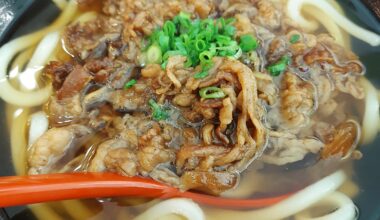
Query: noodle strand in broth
{"type": "Point", "coordinates": [294, 204]}
{"type": "Point", "coordinates": [295, 7]}
{"type": "Point", "coordinates": [339, 35]}
{"type": "Point", "coordinates": [371, 112]}
{"type": "Point", "coordinates": [9, 50]}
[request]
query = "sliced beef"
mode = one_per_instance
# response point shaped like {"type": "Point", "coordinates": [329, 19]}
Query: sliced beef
{"type": "Point", "coordinates": [58, 71]}
{"type": "Point", "coordinates": [121, 100]}
{"type": "Point", "coordinates": [284, 148]}
{"type": "Point", "coordinates": [65, 111]}
{"type": "Point", "coordinates": [129, 101]}
{"type": "Point", "coordinates": [153, 151]}
{"type": "Point", "coordinates": [209, 182]}
{"type": "Point", "coordinates": [92, 39]}
{"type": "Point", "coordinates": [297, 100]}
{"type": "Point", "coordinates": [74, 83]}
{"type": "Point", "coordinates": [105, 153]}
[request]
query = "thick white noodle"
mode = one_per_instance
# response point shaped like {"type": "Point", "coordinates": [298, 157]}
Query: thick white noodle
{"type": "Point", "coordinates": [371, 116]}
{"type": "Point", "coordinates": [340, 36]}
{"type": "Point", "coordinates": [9, 50]}
{"type": "Point", "coordinates": [88, 16]}
{"type": "Point", "coordinates": [39, 123]}
{"type": "Point", "coordinates": [8, 92]}
{"type": "Point", "coordinates": [294, 204]}
{"type": "Point", "coordinates": [340, 207]}
{"type": "Point", "coordinates": [18, 140]}
{"type": "Point", "coordinates": [182, 207]}
{"type": "Point", "coordinates": [41, 55]}
{"type": "Point", "coordinates": [294, 9]}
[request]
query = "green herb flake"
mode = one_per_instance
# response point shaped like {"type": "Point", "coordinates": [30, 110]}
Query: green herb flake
{"type": "Point", "coordinates": [154, 54]}
{"type": "Point", "coordinates": [199, 40]}
{"type": "Point", "coordinates": [158, 113]}
{"type": "Point", "coordinates": [294, 38]}
{"type": "Point", "coordinates": [130, 83]}
{"type": "Point", "coordinates": [211, 92]}
{"type": "Point", "coordinates": [280, 66]}
{"type": "Point", "coordinates": [248, 43]}
{"type": "Point", "coordinates": [201, 75]}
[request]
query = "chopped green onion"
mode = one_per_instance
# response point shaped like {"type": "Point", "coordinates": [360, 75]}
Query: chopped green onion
{"type": "Point", "coordinates": [172, 53]}
{"type": "Point", "coordinates": [185, 39]}
{"type": "Point", "coordinates": [164, 64]}
{"type": "Point", "coordinates": [212, 49]}
{"type": "Point", "coordinates": [223, 53]}
{"type": "Point", "coordinates": [277, 69]}
{"type": "Point", "coordinates": [206, 65]}
{"type": "Point", "coordinates": [158, 113]}
{"type": "Point", "coordinates": [188, 63]}
{"type": "Point", "coordinates": [220, 24]}
{"type": "Point", "coordinates": [280, 66]}
{"type": "Point", "coordinates": [164, 42]}
{"type": "Point", "coordinates": [206, 23]}
{"type": "Point", "coordinates": [199, 40]}
{"type": "Point", "coordinates": [286, 59]}
{"type": "Point", "coordinates": [179, 45]}
{"type": "Point", "coordinates": [130, 83]}
{"type": "Point", "coordinates": [229, 30]}
{"type": "Point", "coordinates": [201, 75]}
{"type": "Point", "coordinates": [200, 45]}
{"type": "Point", "coordinates": [169, 28]}
{"type": "Point", "coordinates": [205, 57]}
{"type": "Point", "coordinates": [230, 20]}
{"type": "Point", "coordinates": [238, 54]}
{"type": "Point", "coordinates": [222, 39]}
{"type": "Point", "coordinates": [182, 17]}
{"type": "Point", "coordinates": [248, 43]}
{"type": "Point", "coordinates": [154, 54]}
{"type": "Point", "coordinates": [231, 48]}
{"type": "Point", "coordinates": [211, 93]}
{"type": "Point", "coordinates": [183, 21]}
{"type": "Point", "coordinates": [294, 38]}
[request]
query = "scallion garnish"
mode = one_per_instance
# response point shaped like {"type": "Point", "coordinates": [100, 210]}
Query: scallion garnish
{"type": "Point", "coordinates": [154, 54]}
{"type": "Point", "coordinates": [294, 38]}
{"type": "Point", "coordinates": [201, 75]}
{"type": "Point", "coordinates": [229, 30]}
{"type": "Point", "coordinates": [130, 83]}
{"type": "Point", "coordinates": [158, 113]}
{"type": "Point", "coordinates": [280, 66]}
{"type": "Point", "coordinates": [248, 43]}
{"type": "Point", "coordinates": [200, 45]}
{"type": "Point", "coordinates": [198, 40]}
{"type": "Point", "coordinates": [205, 57]}
{"type": "Point", "coordinates": [211, 93]}
{"type": "Point", "coordinates": [169, 28]}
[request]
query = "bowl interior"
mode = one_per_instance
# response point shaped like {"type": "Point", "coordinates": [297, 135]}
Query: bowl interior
{"type": "Point", "coordinates": [26, 16]}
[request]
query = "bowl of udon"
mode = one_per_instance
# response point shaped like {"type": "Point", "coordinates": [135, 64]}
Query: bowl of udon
{"type": "Point", "coordinates": [237, 99]}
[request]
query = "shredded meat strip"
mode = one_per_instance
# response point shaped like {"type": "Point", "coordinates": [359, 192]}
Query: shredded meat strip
{"type": "Point", "coordinates": [297, 100]}
{"type": "Point", "coordinates": [248, 143]}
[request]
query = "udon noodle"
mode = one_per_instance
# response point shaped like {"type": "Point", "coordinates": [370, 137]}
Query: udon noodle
{"type": "Point", "coordinates": [21, 89]}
